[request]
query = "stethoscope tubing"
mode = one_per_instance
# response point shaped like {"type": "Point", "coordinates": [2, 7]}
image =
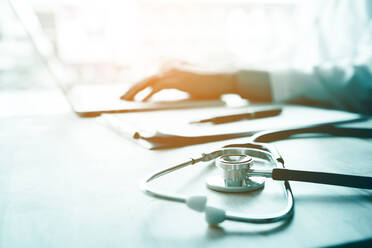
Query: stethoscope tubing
{"type": "Point", "coordinates": [361, 182]}
{"type": "Point", "coordinates": [280, 174]}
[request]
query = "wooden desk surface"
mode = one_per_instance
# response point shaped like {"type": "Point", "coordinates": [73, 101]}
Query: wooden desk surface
{"type": "Point", "coordinates": [70, 182]}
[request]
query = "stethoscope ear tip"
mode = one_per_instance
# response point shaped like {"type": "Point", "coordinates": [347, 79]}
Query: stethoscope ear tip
{"type": "Point", "coordinates": [214, 216]}
{"type": "Point", "coordinates": [197, 203]}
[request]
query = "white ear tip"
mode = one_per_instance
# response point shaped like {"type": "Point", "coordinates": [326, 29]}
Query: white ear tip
{"type": "Point", "coordinates": [197, 203]}
{"type": "Point", "coordinates": [214, 216]}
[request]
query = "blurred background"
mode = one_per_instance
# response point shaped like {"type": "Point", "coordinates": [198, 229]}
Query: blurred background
{"type": "Point", "coordinates": [107, 41]}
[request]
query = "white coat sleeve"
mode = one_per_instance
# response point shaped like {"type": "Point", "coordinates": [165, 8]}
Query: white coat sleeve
{"type": "Point", "coordinates": [348, 87]}
{"type": "Point", "coordinates": [343, 75]}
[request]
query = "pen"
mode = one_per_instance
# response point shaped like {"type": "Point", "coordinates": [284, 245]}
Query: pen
{"type": "Point", "coordinates": [237, 117]}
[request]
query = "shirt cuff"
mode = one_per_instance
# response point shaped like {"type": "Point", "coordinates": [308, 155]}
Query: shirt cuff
{"type": "Point", "coordinates": [289, 85]}
{"type": "Point", "coordinates": [280, 82]}
{"type": "Point", "coordinates": [254, 85]}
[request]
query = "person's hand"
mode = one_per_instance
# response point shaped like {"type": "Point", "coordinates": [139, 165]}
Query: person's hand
{"type": "Point", "coordinates": [198, 85]}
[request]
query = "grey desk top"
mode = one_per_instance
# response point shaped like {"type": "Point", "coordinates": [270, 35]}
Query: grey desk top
{"type": "Point", "coordinates": [70, 182]}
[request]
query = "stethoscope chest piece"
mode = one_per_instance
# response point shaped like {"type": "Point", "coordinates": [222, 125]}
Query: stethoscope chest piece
{"type": "Point", "coordinates": [242, 168]}
{"type": "Point", "coordinates": [233, 177]}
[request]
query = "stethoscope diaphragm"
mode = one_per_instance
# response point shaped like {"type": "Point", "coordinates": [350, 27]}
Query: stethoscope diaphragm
{"type": "Point", "coordinates": [233, 174]}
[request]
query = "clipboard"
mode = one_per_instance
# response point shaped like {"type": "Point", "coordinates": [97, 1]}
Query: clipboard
{"type": "Point", "coordinates": [169, 129]}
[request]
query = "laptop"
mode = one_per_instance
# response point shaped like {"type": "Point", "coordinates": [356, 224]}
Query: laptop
{"type": "Point", "coordinates": [83, 97]}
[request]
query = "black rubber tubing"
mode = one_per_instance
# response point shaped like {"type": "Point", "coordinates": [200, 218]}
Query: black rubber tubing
{"type": "Point", "coordinates": [323, 178]}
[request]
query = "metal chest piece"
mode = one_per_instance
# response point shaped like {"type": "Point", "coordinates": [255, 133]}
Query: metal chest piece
{"type": "Point", "coordinates": [233, 174]}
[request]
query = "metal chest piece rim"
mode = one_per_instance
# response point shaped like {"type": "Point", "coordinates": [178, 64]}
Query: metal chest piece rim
{"type": "Point", "coordinates": [233, 169]}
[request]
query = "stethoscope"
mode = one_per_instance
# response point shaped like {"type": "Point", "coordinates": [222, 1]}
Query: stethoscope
{"type": "Point", "coordinates": [244, 168]}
